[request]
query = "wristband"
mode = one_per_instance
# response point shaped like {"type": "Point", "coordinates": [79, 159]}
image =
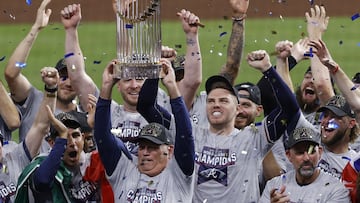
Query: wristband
{"type": "Point", "coordinates": [51, 94]}
{"type": "Point", "coordinates": [50, 90]}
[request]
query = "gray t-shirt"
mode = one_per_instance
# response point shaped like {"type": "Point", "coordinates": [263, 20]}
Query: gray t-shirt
{"type": "Point", "coordinates": [324, 189]}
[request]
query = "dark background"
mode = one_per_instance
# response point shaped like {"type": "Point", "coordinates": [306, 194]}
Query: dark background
{"type": "Point", "coordinates": [18, 11]}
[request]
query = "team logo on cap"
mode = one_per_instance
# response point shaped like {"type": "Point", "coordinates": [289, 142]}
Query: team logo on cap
{"type": "Point", "coordinates": [337, 101]}
{"type": "Point", "coordinates": [153, 130]}
{"type": "Point", "coordinates": [300, 133]}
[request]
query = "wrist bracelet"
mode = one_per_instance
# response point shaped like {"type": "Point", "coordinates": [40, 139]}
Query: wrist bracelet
{"type": "Point", "coordinates": [241, 18]}
{"type": "Point", "coordinates": [51, 94]}
{"type": "Point", "coordinates": [51, 90]}
{"type": "Point", "coordinates": [335, 70]}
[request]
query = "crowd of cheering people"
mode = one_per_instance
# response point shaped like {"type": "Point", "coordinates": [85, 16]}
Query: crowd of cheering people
{"type": "Point", "coordinates": [181, 144]}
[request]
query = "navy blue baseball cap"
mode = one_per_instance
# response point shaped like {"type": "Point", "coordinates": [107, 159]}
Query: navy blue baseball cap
{"type": "Point", "coordinates": [155, 133]}
{"type": "Point", "coordinates": [219, 81]}
{"type": "Point", "coordinates": [253, 90]}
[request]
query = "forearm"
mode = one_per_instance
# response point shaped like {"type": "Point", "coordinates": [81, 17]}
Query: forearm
{"type": "Point", "coordinates": [322, 80]}
{"type": "Point", "coordinates": [41, 124]}
{"type": "Point", "coordinates": [234, 52]}
{"type": "Point", "coordinates": [148, 107]}
{"type": "Point", "coordinates": [287, 111]}
{"type": "Point", "coordinates": [282, 68]}
{"type": "Point", "coordinates": [184, 150]}
{"type": "Point", "coordinates": [8, 110]}
{"type": "Point", "coordinates": [44, 176]}
{"type": "Point", "coordinates": [110, 148]}
{"type": "Point", "coordinates": [80, 80]}
{"type": "Point", "coordinates": [189, 85]}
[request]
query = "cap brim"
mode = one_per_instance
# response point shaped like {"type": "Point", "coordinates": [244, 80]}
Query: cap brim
{"type": "Point", "coordinates": [220, 79]}
{"type": "Point", "coordinates": [333, 109]}
{"type": "Point", "coordinates": [151, 139]}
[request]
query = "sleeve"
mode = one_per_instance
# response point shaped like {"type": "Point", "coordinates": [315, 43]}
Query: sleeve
{"type": "Point", "coordinates": [287, 112]}
{"type": "Point", "coordinates": [148, 107]}
{"type": "Point", "coordinates": [267, 96]}
{"type": "Point", "coordinates": [109, 146]}
{"type": "Point", "coordinates": [44, 176]}
{"type": "Point", "coordinates": [184, 150]}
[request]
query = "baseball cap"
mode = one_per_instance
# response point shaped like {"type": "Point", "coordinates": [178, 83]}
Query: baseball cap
{"type": "Point", "coordinates": [61, 64]}
{"type": "Point", "coordinates": [356, 78]}
{"type": "Point", "coordinates": [254, 92]}
{"type": "Point", "coordinates": [68, 119]}
{"type": "Point", "coordinates": [219, 81]}
{"type": "Point", "coordinates": [302, 134]}
{"type": "Point", "coordinates": [155, 133]}
{"type": "Point", "coordinates": [339, 106]}
{"type": "Point", "coordinates": [82, 118]}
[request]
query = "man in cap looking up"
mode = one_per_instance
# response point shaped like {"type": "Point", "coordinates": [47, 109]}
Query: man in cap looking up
{"type": "Point", "coordinates": [306, 183]}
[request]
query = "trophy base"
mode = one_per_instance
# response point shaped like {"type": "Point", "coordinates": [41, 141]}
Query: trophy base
{"type": "Point", "coordinates": [127, 71]}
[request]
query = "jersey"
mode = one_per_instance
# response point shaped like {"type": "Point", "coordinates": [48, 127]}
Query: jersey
{"type": "Point", "coordinates": [324, 189]}
{"type": "Point", "coordinates": [14, 161]}
{"type": "Point", "coordinates": [171, 185]}
{"type": "Point", "coordinates": [335, 163]}
{"type": "Point", "coordinates": [127, 125]}
{"type": "Point", "coordinates": [198, 115]}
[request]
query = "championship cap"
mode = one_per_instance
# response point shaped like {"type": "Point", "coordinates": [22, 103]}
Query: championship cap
{"type": "Point", "coordinates": [339, 106]}
{"type": "Point", "coordinates": [219, 81]}
{"type": "Point", "coordinates": [253, 90]}
{"type": "Point", "coordinates": [356, 78]}
{"type": "Point", "coordinates": [68, 119]}
{"type": "Point", "coordinates": [302, 134]}
{"type": "Point", "coordinates": [155, 133]}
{"type": "Point", "coordinates": [61, 64]}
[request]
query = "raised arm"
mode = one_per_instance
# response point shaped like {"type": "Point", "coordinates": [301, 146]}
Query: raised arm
{"type": "Point", "coordinates": [282, 65]}
{"type": "Point", "coordinates": [287, 113]}
{"type": "Point", "coordinates": [236, 42]}
{"type": "Point", "coordinates": [184, 150]}
{"type": "Point", "coordinates": [317, 23]}
{"type": "Point", "coordinates": [8, 111]}
{"type": "Point", "coordinates": [41, 124]}
{"type": "Point", "coordinates": [110, 148]}
{"type": "Point", "coordinates": [189, 85]}
{"type": "Point", "coordinates": [18, 84]}
{"type": "Point", "coordinates": [80, 80]}
{"type": "Point", "coordinates": [342, 81]}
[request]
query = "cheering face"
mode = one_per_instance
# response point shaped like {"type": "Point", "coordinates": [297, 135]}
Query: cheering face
{"type": "Point", "coordinates": [308, 94]}
{"type": "Point", "coordinates": [75, 144]}
{"type": "Point", "coordinates": [248, 111]}
{"type": "Point", "coordinates": [66, 94]}
{"type": "Point", "coordinates": [333, 128]}
{"type": "Point", "coordinates": [221, 107]}
{"type": "Point", "coordinates": [129, 90]}
{"type": "Point", "coordinates": [152, 158]}
{"type": "Point", "coordinates": [304, 156]}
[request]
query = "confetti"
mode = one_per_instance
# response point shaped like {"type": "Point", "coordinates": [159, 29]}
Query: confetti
{"type": "Point", "coordinates": [220, 54]}
{"type": "Point", "coordinates": [2, 58]}
{"type": "Point", "coordinates": [355, 16]}
{"type": "Point", "coordinates": [97, 62]}
{"type": "Point", "coordinates": [68, 55]}
{"type": "Point", "coordinates": [20, 65]}
{"type": "Point", "coordinates": [281, 18]}
{"type": "Point", "coordinates": [220, 26]}
{"type": "Point", "coordinates": [128, 26]}
{"type": "Point", "coordinates": [178, 46]}
{"type": "Point", "coordinates": [28, 2]}
{"type": "Point", "coordinates": [355, 87]}
{"type": "Point", "coordinates": [223, 33]}
{"type": "Point", "coordinates": [266, 40]}
{"type": "Point", "coordinates": [341, 42]}
{"type": "Point", "coordinates": [273, 32]}
{"type": "Point", "coordinates": [12, 16]}
{"type": "Point", "coordinates": [310, 54]}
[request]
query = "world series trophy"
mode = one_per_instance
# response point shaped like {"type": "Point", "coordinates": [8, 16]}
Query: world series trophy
{"type": "Point", "coordinates": [138, 34]}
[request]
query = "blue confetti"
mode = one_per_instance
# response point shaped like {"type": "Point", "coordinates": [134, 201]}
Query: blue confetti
{"type": "Point", "coordinates": [311, 2]}
{"type": "Point", "coordinates": [223, 33]}
{"type": "Point", "coordinates": [68, 55]}
{"type": "Point", "coordinates": [310, 54]}
{"type": "Point", "coordinates": [355, 16]}
{"type": "Point", "coordinates": [20, 65]}
{"type": "Point", "coordinates": [355, 87]}
{"type": "Point", "coordinates": [2, 58]}
{"type": "Point", "coordinates": [97, 62]}
{"type": "Point", "coordinates": [28, 2]}
{"type": "Point", "coordinates": [358, 44]}
{"type": "Point", "coordinates": [128, 26]}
